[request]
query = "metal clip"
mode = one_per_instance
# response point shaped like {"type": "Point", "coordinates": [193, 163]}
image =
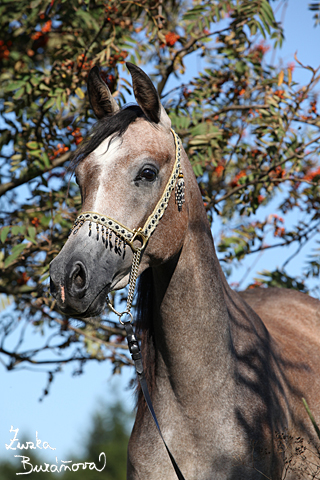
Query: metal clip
{"type": "Point", "coordinates": [138, 235]}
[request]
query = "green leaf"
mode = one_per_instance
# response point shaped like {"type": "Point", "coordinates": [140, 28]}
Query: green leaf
{"type": "Point", "coordinates": [17, 229]}
{"type": "Point", "coordinates": [28, 88]}
{"type": "Point", "coordinates": [265, 21]}
{"type": "Point", "coordinates": [35, 81]}
{"type": "Point", "coordinates": [36, 153]}
{"type": "Point", "coordinates": [261, 29]}
{"type": "Point", "coordinates": [253, 28]}
{"type": "Point", "coordinates": [80, 93]}
{"type": "Point", "coordinates": [268, 11]}
{"type": "Point", "coordinates": [240, 67]}
{"type": "Point", "coordinates": [31, 240]}
{"type": "Point", "coordinates": [32, 145]}
{"type": "Point", "coordinates": [16, 157]}
{"type": "Point", "coordinates": [311, 417]}
{"type": "Point", "coordinates": [206, 129]}
{"type": "Point", "coordinates": [197, 170]}
{"type": "Point", "coordinates": [49, 103]}
{"type": "Point", "coordinates": [15, 252]}
{"type": "Point", "coordinates": [19, 93]}
{"type": "Point", "coordinates": [217, 12]}
{"type": "Point", "coordinates": [14, 86]}
{"type": "Point", "coordinates": [58, 101]}
{"type": "Point", "coordinates": [4, 233]}
{"type": "Point", "coordinates": [32, 232]}
{"type": "Point", "coordinates": [46, 160]}
{"type": "Point", "coordinates": [44, 277]}
{"type": "Point", "coordinates": [43, 86]}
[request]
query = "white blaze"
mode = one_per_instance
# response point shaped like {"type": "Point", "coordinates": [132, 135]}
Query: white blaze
{"type": "Point", "coordinates": [106, 158]}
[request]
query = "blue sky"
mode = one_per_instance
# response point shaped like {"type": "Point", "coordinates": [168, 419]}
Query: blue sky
{"type": "Point", "coordinates": [63, 416]}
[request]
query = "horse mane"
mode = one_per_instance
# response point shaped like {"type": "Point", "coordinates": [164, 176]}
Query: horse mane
{"type": "Point", "coordinates": [145, 331]}
{"type": "Point", "coordinates": [112, 126]}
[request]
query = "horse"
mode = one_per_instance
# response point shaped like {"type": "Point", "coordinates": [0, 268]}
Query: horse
{"type": "Point", "coordinates": [226, 371]}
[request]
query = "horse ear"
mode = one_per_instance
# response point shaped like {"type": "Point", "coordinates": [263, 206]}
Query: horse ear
{"type": "Point", "coordinates": [147, 96]}
{"type": "Point", "coordinates": [102, 102]}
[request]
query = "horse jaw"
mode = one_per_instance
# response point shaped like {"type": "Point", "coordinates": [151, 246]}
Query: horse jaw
{"type": "Point", "coordinates": [122, 283]}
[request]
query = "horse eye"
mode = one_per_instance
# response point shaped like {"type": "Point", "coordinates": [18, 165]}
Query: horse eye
{"type": "Point", "coordinates": [148, 174]}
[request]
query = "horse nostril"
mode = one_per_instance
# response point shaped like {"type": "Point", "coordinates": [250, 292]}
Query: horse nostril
{"type": "Point", "coordinates": [79, 277]}
{"type": "Point", "coordinates": [77, 283]}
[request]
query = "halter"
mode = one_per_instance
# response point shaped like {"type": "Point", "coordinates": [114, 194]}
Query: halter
{"type": "Point", "coordinates": [128, 236]}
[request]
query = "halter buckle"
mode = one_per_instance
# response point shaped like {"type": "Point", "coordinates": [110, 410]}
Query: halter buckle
{"type": "Point", "coordinates": [138, 235]}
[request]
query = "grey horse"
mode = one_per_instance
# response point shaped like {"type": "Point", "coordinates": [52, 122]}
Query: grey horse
{"type": "Point", "coordinates": [226, 371]}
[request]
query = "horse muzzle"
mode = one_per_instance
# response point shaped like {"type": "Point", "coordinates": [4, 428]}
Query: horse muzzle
{"type": "Point", "coordinates": [81, 278]}
{"type": "Point", "coordinates": [70, 288]}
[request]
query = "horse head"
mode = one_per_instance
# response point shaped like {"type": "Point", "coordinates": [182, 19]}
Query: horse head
{"type": "Point", "coordinates": [124, 170]}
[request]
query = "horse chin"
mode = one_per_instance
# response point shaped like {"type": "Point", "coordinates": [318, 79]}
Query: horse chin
{"type": "Point", "coordinates": [98, 304]}
{"type": "Point", "coordinates": [94, 309]}
{"type": "Point", "coordinates": [122, 283]}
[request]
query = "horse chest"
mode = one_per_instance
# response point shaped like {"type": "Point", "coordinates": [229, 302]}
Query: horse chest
{"type": "Point", "coordinates": [205, 440]}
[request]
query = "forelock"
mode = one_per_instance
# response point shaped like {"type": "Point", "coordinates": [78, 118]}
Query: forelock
{"type": "Point", "coordinates": [108, 127]}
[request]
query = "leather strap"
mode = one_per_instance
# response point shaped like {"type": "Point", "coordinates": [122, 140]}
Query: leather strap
{"type": "Point", "coordinates": [137, 359]}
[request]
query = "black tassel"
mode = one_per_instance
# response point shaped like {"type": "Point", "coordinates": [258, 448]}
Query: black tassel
{"type": "Point", "coordinates": [107, 232]}
{"type": "Point", "coordinates": [179, 191]}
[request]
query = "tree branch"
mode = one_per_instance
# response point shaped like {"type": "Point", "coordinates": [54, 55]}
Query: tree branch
{"type": "Point", "coordinates": [93, 338]}
{"type": "Point", "coordinates": [31, 174]}
{"type": "Point", "coordinates": [188, 48]}
{"type": "Point", "coordinates": [298, 238]}
{"type": "Point", "coordinates": [240, 107]}
{"type": "Point", "coordinates": [262, 179]}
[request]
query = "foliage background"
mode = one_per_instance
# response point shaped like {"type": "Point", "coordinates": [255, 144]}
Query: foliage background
{"type": "Point", "coordinates": [251, 132]}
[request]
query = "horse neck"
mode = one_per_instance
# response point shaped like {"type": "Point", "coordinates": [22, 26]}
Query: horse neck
{"type": "Point", "coordinates": [191, 320]}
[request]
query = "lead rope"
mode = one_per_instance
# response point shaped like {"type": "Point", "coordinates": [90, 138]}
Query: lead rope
{"type": "Point", "coordinates": [135, 351]}
{"type": "Point", "coordinates": [137, 359]}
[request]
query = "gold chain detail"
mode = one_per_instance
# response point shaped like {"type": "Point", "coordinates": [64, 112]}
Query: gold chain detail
{"type": "Point", "coordinates": [133, 278]}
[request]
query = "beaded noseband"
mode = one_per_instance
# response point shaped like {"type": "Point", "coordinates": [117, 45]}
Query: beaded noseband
{"type": "Point", "coordinates": [124, 235]}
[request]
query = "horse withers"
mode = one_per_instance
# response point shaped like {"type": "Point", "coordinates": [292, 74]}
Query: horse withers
{"type": "Point", "coordinates": [226, 371]}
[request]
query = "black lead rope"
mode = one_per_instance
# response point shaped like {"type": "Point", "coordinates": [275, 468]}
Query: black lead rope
{"type": "Point", "coordinates": [137, 359]}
